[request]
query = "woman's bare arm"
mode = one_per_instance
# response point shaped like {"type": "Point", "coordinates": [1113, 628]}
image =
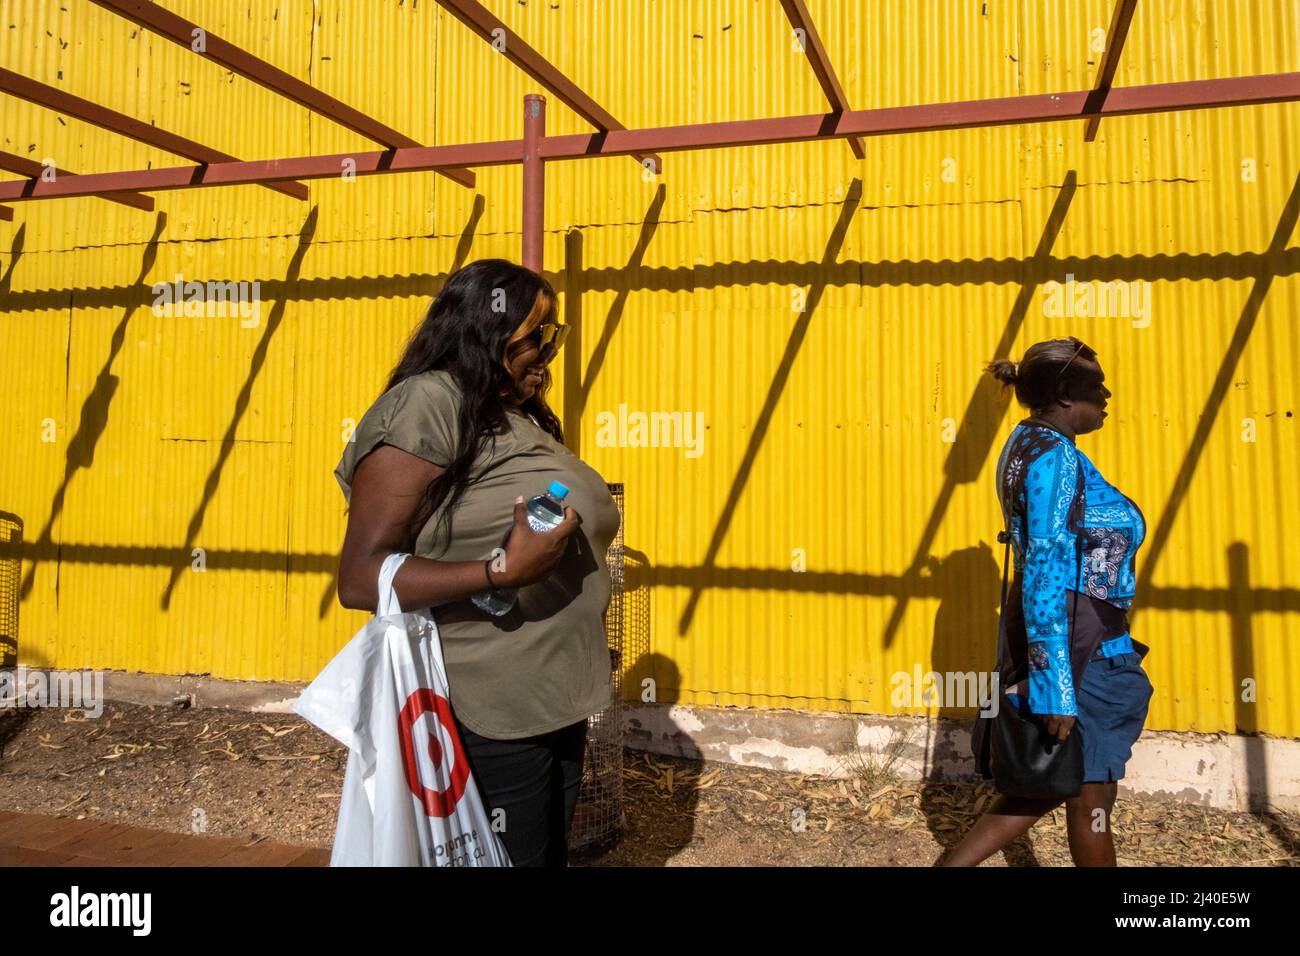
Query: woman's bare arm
{"type": "Point", "coordinates": [386, 489]}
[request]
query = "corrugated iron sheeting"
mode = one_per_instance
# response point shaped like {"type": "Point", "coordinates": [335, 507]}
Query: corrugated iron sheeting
{"type": "Point", "coordinates": [838, 526]}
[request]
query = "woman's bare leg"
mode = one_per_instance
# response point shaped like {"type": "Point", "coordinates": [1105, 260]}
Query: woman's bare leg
{"type": "Point", "coordinates": [1007, 819]}
{"type": "Point", "coordinates": [1088, 824]}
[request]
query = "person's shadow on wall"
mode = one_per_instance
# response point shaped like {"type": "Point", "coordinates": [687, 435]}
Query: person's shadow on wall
{"type": "Point", "coordinates": [968, 583]}
{"type": "Point", "coordinates": [660, 808]}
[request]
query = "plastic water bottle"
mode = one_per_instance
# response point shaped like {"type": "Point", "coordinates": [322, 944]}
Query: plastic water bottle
{"type": "Point", "coordinates": [545, 512]}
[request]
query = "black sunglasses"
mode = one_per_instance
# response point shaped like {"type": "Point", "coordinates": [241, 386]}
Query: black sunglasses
{"type": "Point", "coordinates": [1080, 347]}
{"type": "Point", "coordinates": [548, 337]}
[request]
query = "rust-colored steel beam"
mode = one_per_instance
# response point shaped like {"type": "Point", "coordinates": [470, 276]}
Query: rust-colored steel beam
{"type": "Point", "coordinates": [50, 97]}
{"type": "Point", "coordinates": [1007, 111]}
{"type": "Point", "coordinates": [416, 159]}
{"type": "Point", "coordinates": [483, 22]}
{"type": "Point", "coordinates": [6, 213]}
{"type": "Point", "coordinates": [33, 170]}
{"type": "Point", "coordinates": [163, 22]}
{"type": "Point", "coordinates": [534, 172]}
{"type": "Point", "coordinates": [1120, 19]}
{"type": "Point", "coordinates": [811, 42]}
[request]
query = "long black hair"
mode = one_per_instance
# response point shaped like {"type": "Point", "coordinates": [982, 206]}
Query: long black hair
{"type": "Point", "coordinates": [465, 333]}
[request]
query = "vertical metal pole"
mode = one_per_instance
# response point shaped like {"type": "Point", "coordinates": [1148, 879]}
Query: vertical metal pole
{"type": "Point", "coordinates": [534, 179]}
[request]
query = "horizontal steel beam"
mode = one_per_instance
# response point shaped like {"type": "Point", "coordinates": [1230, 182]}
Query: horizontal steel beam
{"type": "Point", "coordinates": [163, 22]}
{"type": "Point", "coordinates": [1014, 110]}
{"type": "Point", "coordinates": [61, 101]}
{"type": "Point", "coordinates": [32, 169]}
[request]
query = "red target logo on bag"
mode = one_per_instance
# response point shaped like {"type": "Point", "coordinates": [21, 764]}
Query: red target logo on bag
{"type": "Point", "coordinates": [437, 803]}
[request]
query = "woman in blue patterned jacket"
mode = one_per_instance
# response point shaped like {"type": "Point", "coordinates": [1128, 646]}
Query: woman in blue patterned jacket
{"type": "Point", "coordinates": [1074, 537]}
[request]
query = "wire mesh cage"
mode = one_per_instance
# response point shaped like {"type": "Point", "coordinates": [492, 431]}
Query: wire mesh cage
{"type": "Point", "coordinates": [598, 820]}
{"type": "Point", "coordinates": [11, 540]}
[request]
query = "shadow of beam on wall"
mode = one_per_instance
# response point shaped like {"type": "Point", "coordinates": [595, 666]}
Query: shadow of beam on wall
{"type": "Point", "coordinates": [1246, 675]}
{"type": "Point", "coordinates": [226, 445]}
{"type": "Point", "coordinates": [15, 253]}
{"type": "Point", "coordinates": [1218, 391]}
{"type": "Point", "coordinates": [459, 257]}
{"type": "Point", "coordinates": [987, 406]}
{"type": "Point", "coordinates": [80, 451]}
{"type": "Point", "coordinates": [1208, 266]}
{"type": "Point", "coordinates": [852, 199]}
{"type": "Point", "coordinates": [1263, 600]}
{"type": "Point", "coordinates": [615, 314]}
{"type": "Point", "coordinates": [848, 272]}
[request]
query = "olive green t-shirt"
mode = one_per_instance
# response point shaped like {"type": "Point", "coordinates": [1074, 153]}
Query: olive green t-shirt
{"type": "Point", "coordinates": [545, 664]}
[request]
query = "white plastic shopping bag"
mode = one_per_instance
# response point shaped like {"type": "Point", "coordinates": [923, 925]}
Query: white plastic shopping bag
{"type": "Point", "coordinates": [408, 796]}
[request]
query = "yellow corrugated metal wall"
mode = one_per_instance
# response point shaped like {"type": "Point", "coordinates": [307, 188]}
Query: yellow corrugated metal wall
{"type": "Point", "coordinates": [854, 435]}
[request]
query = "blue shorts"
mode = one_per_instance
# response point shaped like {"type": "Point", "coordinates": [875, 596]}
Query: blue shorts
{"type": "Point", "coordinates": [1112, 699]}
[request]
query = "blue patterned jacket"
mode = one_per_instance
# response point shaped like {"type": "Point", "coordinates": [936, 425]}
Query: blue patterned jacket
{"type": "Point", "coordinates": [1070, 530]}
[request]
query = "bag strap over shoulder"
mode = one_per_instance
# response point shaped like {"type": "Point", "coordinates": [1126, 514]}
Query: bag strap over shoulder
{"type": "Point", "coordinates": [1080, 544]}
{"type": "Point", "coordinates": [1004, 537]}
{"type": "Point", "coordinates": [388, 603]}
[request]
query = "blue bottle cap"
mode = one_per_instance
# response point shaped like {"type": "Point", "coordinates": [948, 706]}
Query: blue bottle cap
{"type": "Point", "coordinates": [557, 491]}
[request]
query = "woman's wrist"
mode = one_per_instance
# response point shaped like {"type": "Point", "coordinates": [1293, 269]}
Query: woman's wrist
{"type": "Point", "coordinates": [501, 580]}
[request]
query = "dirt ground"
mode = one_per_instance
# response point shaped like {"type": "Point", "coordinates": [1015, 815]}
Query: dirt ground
{"type": "Point", "coordinates": [235, 774]}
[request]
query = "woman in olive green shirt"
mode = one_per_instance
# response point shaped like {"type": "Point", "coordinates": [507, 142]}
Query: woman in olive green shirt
{"type": "Point", "coordinates": [440, 466]}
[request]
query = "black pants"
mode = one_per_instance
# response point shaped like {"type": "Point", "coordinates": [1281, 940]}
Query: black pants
{"type": "Point", "coordinates": [534, 780]}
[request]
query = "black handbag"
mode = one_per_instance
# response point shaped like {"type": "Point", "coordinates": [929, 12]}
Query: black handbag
{"type": "Point", "coordinates": [1024, 761]}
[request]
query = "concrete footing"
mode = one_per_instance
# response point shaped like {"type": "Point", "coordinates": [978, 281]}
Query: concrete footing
{"type": "Point", "coordinates": [1224, 771]}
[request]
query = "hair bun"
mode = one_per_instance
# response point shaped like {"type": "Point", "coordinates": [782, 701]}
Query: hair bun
{"type": "Point", "coordinates": [1005, 371]}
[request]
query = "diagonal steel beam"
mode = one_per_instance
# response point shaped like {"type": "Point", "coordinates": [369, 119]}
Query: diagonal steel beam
{"type": "Point", "coordinates": [797, 13]}
{"type": "Point", "coordinates": [33, 170]}
{"type": "Point", "coordinates": [50, 97]}
{"type": "Point", "coordinates": [1120, 20]}
{"type": "Point", "coordinates": [163, 22]}
{"type": "Point", "coordinates": [479, 19]}
{"type": "Point", "coordinates": [1007, 111]}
